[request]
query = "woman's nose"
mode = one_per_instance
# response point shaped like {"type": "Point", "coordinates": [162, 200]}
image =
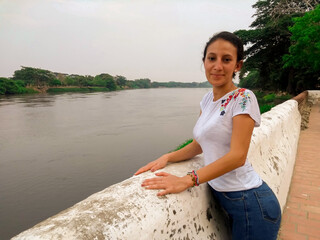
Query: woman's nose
{"type": "Point", "coordinates": [217, 65]}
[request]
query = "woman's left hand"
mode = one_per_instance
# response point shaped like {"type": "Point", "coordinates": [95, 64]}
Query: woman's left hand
{"type": "Point", "coordinates": [170, 183]}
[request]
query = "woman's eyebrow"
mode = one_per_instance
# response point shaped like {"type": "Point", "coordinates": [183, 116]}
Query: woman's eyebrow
{"type": "Point", "coordinates": [224, 55]}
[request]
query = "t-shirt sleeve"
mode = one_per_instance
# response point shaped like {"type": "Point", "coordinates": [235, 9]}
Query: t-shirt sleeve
{"type": "Point", "coordinates": [246, 103]}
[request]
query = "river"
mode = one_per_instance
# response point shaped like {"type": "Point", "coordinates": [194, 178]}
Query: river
{"type": "Point", "coordinates": [57, 149]}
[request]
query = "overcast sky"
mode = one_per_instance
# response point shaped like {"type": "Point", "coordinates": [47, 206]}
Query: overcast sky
{"type": "Point", "coordinates": [158, 39]}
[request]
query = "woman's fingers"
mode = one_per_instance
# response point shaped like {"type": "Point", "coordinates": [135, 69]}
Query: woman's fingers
{"type": "Point", "coordinates": [151, 166]}
{"type": "Point", "coordinates": [156, 180]}
{"type": "Point", "coordinates": [152, 181]}
{"type": "Point", "coordinates": [145, 168]}
{"type": "Point", "coordinates": [168, 182]}
{"type": "Point", "coordinates": [154, 165]}
{"type": "Point", "coordinates": [155, 168]}
{"type": "Point", "coordinates": [160, 182]}
{"type": "Point", "coordinates": [140, 170]}
{"type": "Point", "coordinates": [162, 193]}
{"type": "Point", "coordinates": [156, 186]}
{"type": "Point", "coordinates": [162, 174]}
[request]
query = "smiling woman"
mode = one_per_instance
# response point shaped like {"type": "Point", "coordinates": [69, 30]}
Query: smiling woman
{"type": "Point", "coordinates": [220, 64]}
{"type": "Point", "coordinates": [223, 134]}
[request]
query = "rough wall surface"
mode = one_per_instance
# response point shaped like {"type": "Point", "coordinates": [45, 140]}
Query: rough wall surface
{"type": "Point", "coordinates": [127, 211]}
{"type": "Point", "coordinates": [274, 145]}
{"type": "Point", "coordinates": [314, 96]}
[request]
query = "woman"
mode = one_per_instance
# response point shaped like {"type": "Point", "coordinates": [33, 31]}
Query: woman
{"type": "Point", "coordinates": [223, 133]}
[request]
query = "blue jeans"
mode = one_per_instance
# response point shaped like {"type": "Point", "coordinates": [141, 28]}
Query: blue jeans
{"type": "Point", "coordinates": [254, 214]}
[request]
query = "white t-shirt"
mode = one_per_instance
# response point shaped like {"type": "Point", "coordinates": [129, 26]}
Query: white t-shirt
{"type": "Point", "coordinates": [213, 132]}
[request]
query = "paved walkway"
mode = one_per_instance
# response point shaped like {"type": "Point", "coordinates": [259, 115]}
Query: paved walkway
{"type": "Point", "coordinates": [301, 217]}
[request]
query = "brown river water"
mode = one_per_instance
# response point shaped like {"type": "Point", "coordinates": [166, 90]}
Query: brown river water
{"type": "Point", "coordinates": [57, 149]}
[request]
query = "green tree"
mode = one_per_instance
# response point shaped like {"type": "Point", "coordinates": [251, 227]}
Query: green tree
{"type": "Point", "coordinates": [269, 40]}
{"type": "Point", "coordinates": [143, 83]}
{"type": "Point", "coordinates": [305, 49]}
{"type": "Point", "coordinates": [89, 80]}
{"type": "Point", "coordinates": [82, 81]}
{"type": "Point", "coordinates": [250, 81]}
{"type": "Point", "coordinates": [120, 81]}
{"type": "Point", "coordinates": [71, 81]}
{"type": "Point", "coordinates": [55, 82]}
{"type": "Point", "coordinates": [10, 86]}
{"type": "Point", "coordinates": [105, 80]}
{"type": "Point", "coordinates": [34, 76]}
{"type": "Point", "coordinates": [157, 84]}
{"type": "Point", "coordinates": [3, 86]}
{"type": "Point", "coordinates": [304, 53]}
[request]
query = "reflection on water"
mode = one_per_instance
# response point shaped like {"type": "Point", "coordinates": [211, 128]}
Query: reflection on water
{"type": "Point", "coordinates": [34, 100]}
{"type": "Point", "coordinates": [57, 149]}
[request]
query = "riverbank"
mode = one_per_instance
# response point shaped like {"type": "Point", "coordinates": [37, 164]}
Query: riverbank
{"type": "Point", "coordinates": [77, 89]}
{"type": "Point", "coordinates": [266, 99]}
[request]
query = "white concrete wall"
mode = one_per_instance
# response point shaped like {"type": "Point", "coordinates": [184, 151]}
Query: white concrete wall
{"type": "Point", "coordinates": [314, 96]}
{"type": "Point", "coordinates": [127, 211]}
{"type": "Point", "coordinates": [274, 146]}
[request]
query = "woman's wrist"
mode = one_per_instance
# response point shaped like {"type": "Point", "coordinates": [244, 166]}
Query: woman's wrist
{"type": "Point", "coordinates": [188, 181]}
{"type": "Point", "coordinates": [168, 157]}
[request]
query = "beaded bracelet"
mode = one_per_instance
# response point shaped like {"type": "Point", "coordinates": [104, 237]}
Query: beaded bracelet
{"type": "Point", "coordinates": [195, 178]}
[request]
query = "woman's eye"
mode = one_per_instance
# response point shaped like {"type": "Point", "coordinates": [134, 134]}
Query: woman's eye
{"type": "Point", "coordinates": [211, 58]}
{"type": "Point", "coordinates": [227, 60]}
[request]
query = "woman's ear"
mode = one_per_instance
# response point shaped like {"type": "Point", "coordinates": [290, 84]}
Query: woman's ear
{"type": "Point", "coordinates": [239, 66]}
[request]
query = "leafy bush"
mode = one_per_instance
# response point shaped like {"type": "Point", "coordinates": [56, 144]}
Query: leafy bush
{"type": "Point", "coordinates": [285, 97]}
{"type": "Point", "coordinates": [30, 90]}
{"type": "Point", "coordinates": [55, 82]}
{"type": "Point", "coordinates": [71, 81]}
{"type": "Point", "coordinates": [20, 83]}
{"type": "Point", "coordinates": [251, 80]}
{"type": "Point", "coordinates": [105, 80]}
{"type": "Point", "coordinates": [2, 86]}
{"type": "Point", "coordinates": [259, 94]}
{"type": "Point", "coordinates": [269, 98]}
{"type": "Point", "coordinates": [266, 107]}
{"type": "Point", "coordinates": [9, 86]}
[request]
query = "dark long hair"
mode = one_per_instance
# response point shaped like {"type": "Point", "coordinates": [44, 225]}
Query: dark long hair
{"type": "Point", "coordinates": [230, 37]}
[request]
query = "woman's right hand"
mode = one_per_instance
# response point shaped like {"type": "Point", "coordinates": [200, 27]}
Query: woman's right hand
{"type": "Point", "coordinates": [159, 163]}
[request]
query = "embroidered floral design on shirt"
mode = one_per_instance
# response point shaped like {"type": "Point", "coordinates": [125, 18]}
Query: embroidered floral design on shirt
{"type": "Point", "coordinates": [245, 98]}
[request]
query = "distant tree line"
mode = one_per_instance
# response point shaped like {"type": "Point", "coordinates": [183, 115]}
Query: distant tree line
{"type": "Point", "coordinates": [28, 80]}
{"type": "Point", "coordinates": [283, 46]}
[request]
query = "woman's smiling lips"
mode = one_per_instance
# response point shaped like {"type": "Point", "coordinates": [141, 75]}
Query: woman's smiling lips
{"type": "Point", "coordinates": [217, 75]}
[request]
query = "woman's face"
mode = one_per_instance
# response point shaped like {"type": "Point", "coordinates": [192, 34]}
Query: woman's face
{"type": "Point", "coordinates": [221, 62]}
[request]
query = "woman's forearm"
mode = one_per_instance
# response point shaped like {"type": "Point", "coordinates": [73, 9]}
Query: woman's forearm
{"type": "Point", "coordinates": [185, 153]}
{"type": "Point", "coordinates": [223, 165]}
